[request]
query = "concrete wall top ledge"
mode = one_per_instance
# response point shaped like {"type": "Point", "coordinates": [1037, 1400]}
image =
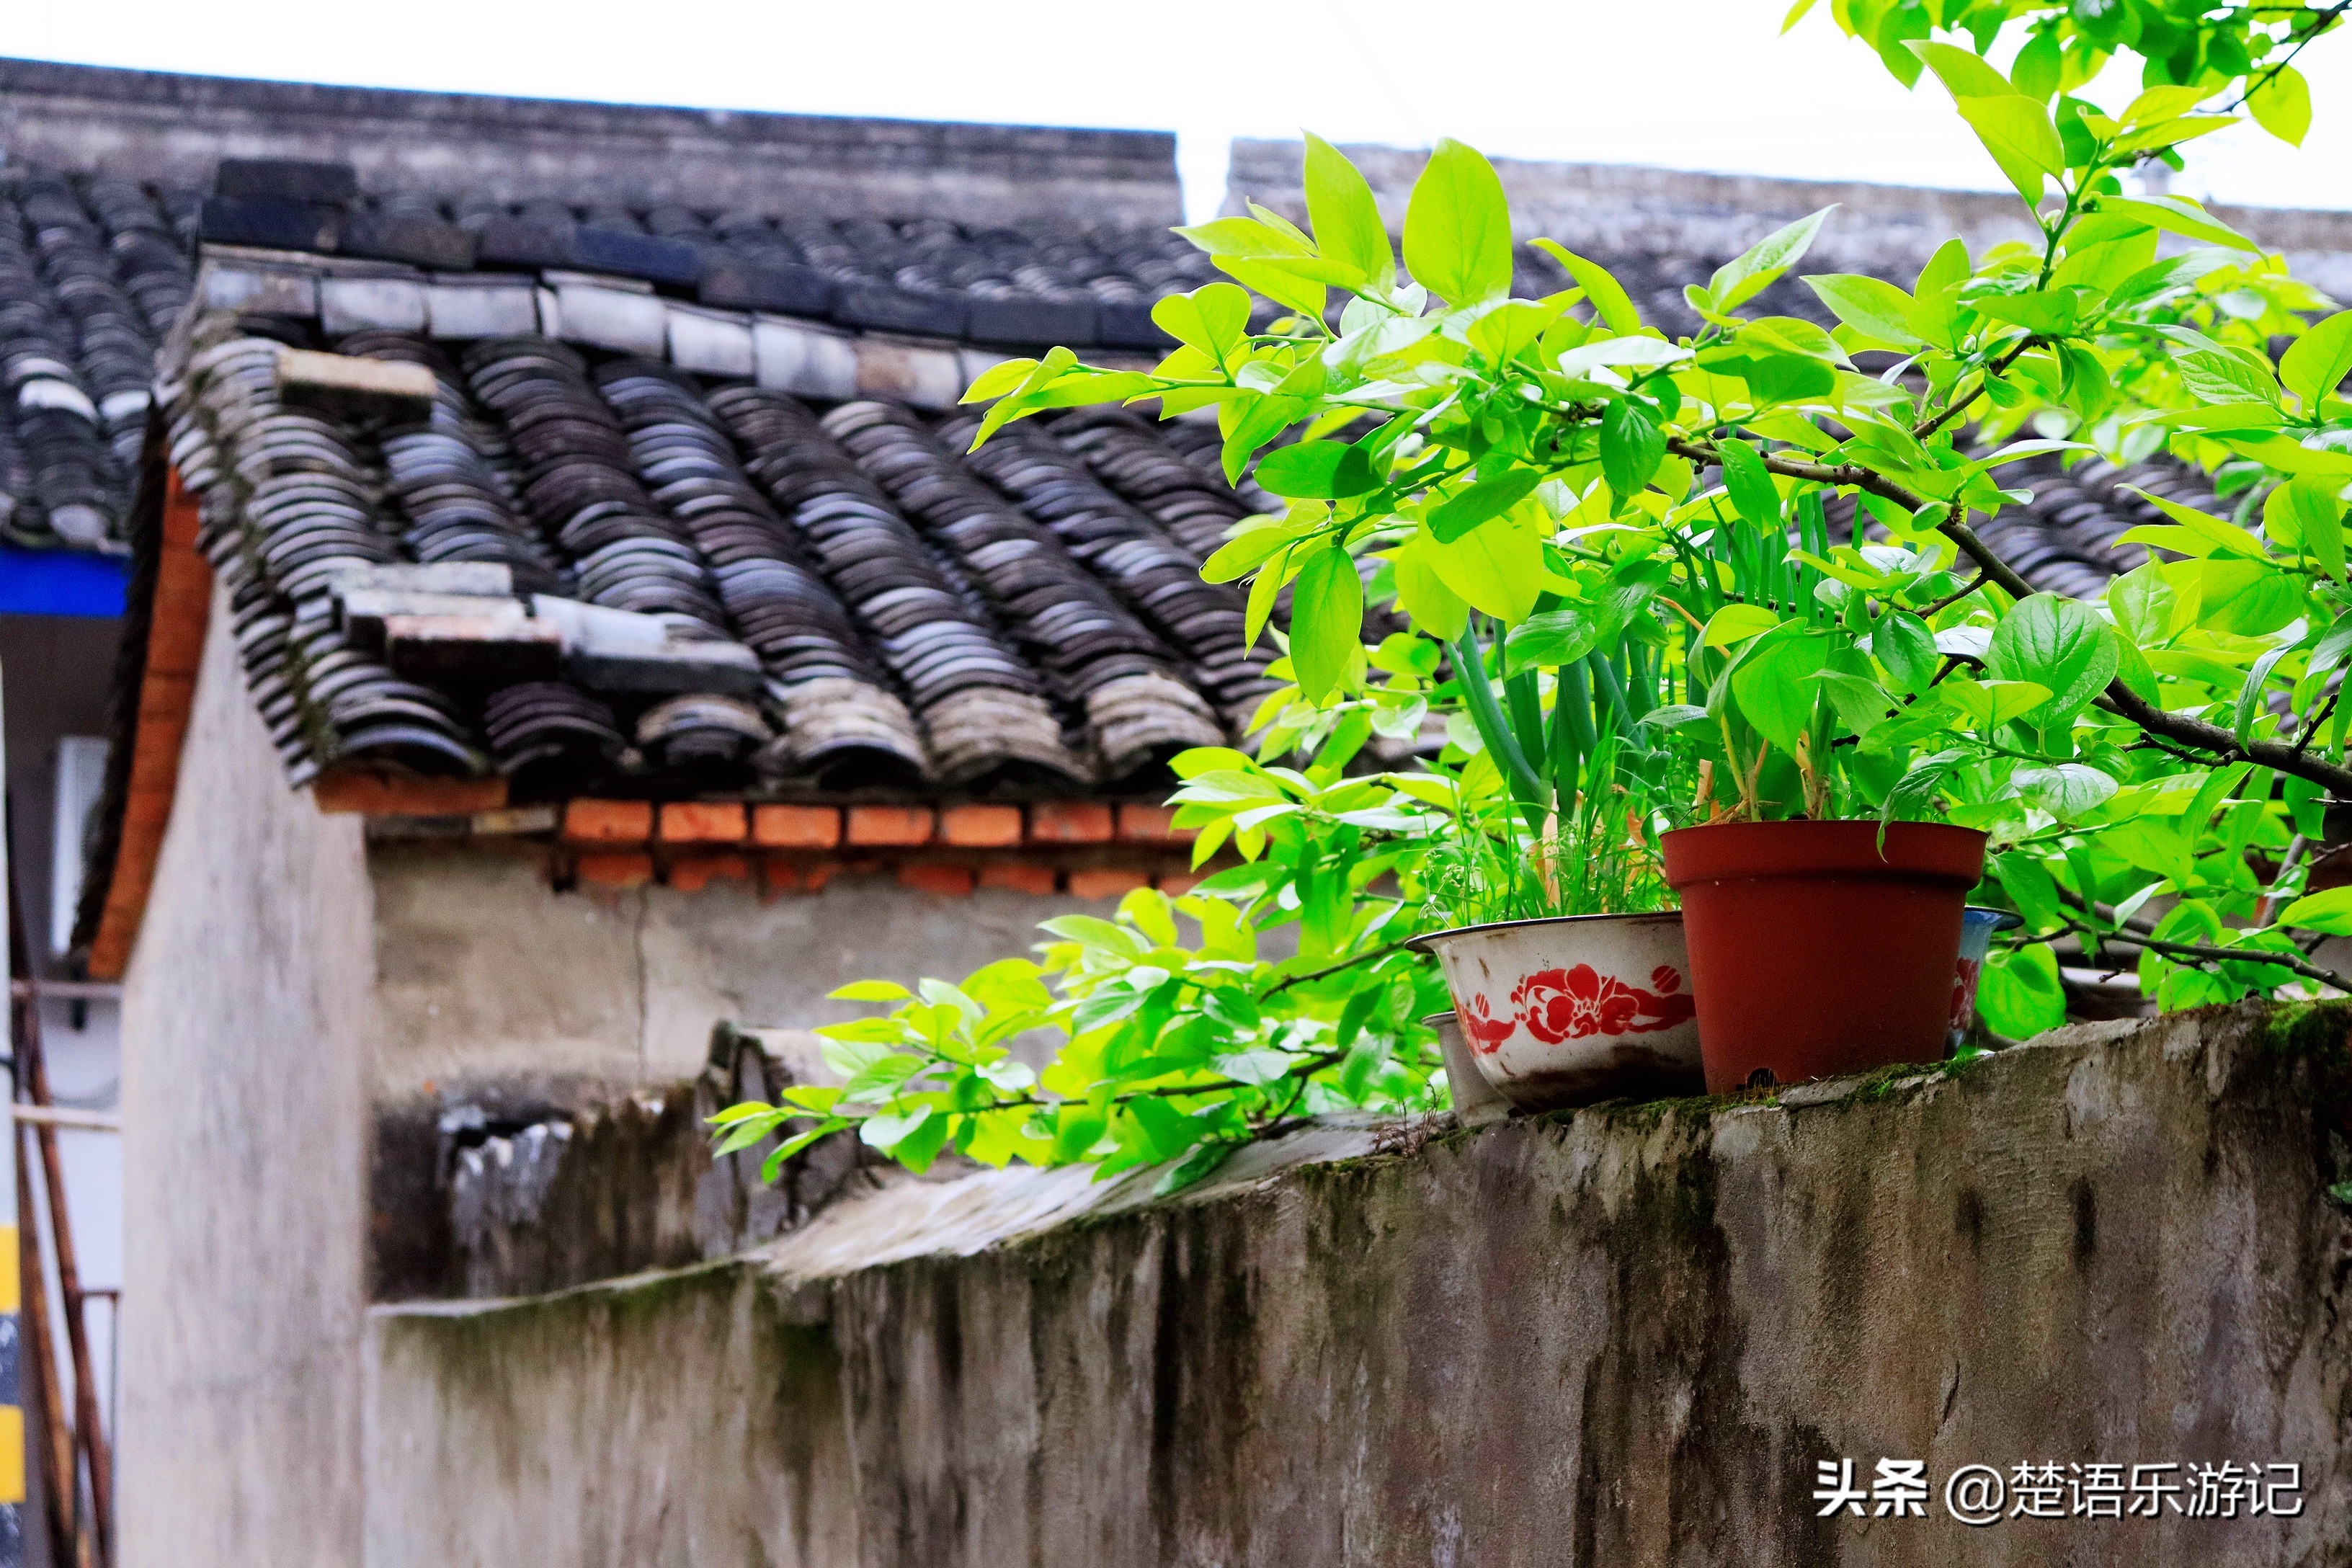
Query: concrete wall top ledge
{"type": "Point", "coordinates": [907, 1219]}
{"type": "Point", "coordinates": [1626, 1336]}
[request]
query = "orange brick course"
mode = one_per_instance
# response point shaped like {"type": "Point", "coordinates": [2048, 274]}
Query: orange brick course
{"type": "Point", "coordinates": [703, 822]}
{"type": "Point", "coordinates": [1176, 884]}
{"type": "Point", "coordinates": [1020, 877]}
{"type": "Point", "coordinates": [1070, 822]}
{"type": "Point", "coordinates": [176, 621]}
{"type": "Point", "coordinates": [608, 821]}
{"type": "Point", "coordinates": [1152, 824]}
{"type": "Point", "coordinates": [615, 869]}
{"type": "Point", "coordinates": [877, 825]}
{"type": "Point", "coordinates": [692, 873]}
{"type": "Point", "coordinates": [796, 826]}
{"type": "Point", "coordinates": [365, 791]}
{"type": "Point", "coordinates": [980, 826]}
{"type": "Point", "coordinates": [946, 880]}
{"type": "Point", "coordinates": [1105, 882]}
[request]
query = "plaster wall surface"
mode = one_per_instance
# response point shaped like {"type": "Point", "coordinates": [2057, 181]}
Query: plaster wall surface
{"type": "Point", "coordinates": [1624, 1337]}
{"type": "Point", "coordinates": [248, 1026]}
{"type": "Point", "coordinates": [486, 976]}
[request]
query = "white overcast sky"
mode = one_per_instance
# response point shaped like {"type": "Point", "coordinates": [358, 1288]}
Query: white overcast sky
{"type": "Point", "coordinates": [1690, 84]}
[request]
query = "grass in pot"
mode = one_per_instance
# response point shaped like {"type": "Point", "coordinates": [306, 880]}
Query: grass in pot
{"type": "Point", "coordinates": [1824, 924]}
{"type": "Point", "coordinates": [1564, 957]}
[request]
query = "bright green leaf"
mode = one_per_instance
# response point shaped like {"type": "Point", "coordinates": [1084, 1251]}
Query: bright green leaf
{"type": "Point", "coordinates": [1736, 623]}
{"type": "Point", "coordinates": [1457, 227]}
{"type": "Point", "coordinates": [1326, 617]}
{"type": "Point", "coordinates": [1609, 301]}
{"type": "Point", "coordinates": [2306, 514]}
{"type": "Point", "coordinates": [2282, 105]}
{"type": "Point", "coordinates": [1861, 704]}
{"type": "Point", "coordinates": [1497, 567]}
{"type": "Point", "coordinates": [1902, 643]}
{"type": "Point", "coordinates": [2018, 994]}
{"type": "Point", "coordinates": [1755, 269]}
{"type": "Point", "coordinates": [1642, 352]}
{"type": "Point", "coordinates": [1458, 515]}
{"type": "Point", "coordinates": [2017, 132]}
{"type": "Point", "coordinates": [2058, 644]}
{"type": "Point", "coordinates": [1775, 688]}
{"type": "Point", "coordinates": [1242, 554]}
{"type": "Point", "coordinates": [1750, 484]}
{"type": "Point", "coordinates": [1963, 74]}
{"type": "Point", "coordinates": [1989, 704]}
{"type": "Point", "coordinates": [1243, 239]}
{"type": "Point", "coordinates": [1423, 593]}
{"type": "Point", "coordinates": [1870, 306]}
{"type": "Point", "coordinates": [2316, 363]}
{"type": "Point", "coordinates": [1631, 447]}
{"type": "Point", "coordinates": [2329, 911]}
{"type": "Point", "coordinates": [2218, 376]}
{"type": "Point", "coordinates": [1346, 219]}
{"type": "Point", "coordinates": [1321, 470]}
{"type": "Point", "coordinates": [871, 991]}
{"type": "Point", "coordinates": [1551, 639]}
{"type": "Point", "coordinates": [2069, 792]}
{"type": "Point", "coordinates": [2177, 215]}
{"type": "Point", "coordinates": [1211, 318]}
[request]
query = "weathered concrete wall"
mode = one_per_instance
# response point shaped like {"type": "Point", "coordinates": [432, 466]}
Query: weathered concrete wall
{"type": "Point", "coordinates": [704, 1427]}
{"type": "Point", "coordinates": [502, 1198]}
{"type": "Point", "coordinates": [1620, 1338]}
{"type": "Point", "coordinates": [489, 977]}
{"type": "Point", "coordinates": [247, 1030]}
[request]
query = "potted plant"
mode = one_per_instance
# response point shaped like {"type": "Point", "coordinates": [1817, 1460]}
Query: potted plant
{"type": "Point", "coordinates": [1561, 452]}
{"type": "Point", "coordinates": [1567, 966]}
{"type": "Point", "coordinates": [1824, 928]}
{"type": "Point", "coordinates": [2152, 767]}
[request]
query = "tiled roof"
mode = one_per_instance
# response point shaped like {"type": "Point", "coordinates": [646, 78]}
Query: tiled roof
{"type": "Point", "coordinates": [92, 274]}
{"type": "Point", "coordinates": [706, 547]}
{"type": "Point", "coordinates": [94, 270]}
{"type": "Point", "coordinates": [628, 575]}
{"type": "Point", "coordinates": [674, 506]}
{"type": "Point", "coordinates": [1047, 282]}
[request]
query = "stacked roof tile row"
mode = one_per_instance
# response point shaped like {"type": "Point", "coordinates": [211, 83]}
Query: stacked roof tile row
{"type": "Point", "coordinates": [92, 274]}
{"type": "Point", "coordinates": [1072, 283]}
{"type": "Point", "coordinates": [914, 619]}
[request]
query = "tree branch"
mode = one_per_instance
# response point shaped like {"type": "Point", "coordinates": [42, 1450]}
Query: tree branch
{"type": "Point", "coordinates": [2181, 728]}
{"type": "Point", "coordinates": [2307, 971]}
{"type": "Point", "coordinates": [1954, 597]}
{"type": "Point", "coordinates": [2320, 24]}
{"type": "Point", "coordinates": [1367, 956]}
{"type": "Point", "coordinates": [1953, 409]}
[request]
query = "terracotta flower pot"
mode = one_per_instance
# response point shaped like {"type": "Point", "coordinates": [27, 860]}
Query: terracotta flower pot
{"type": "Point", "coordinates": [1815, 953]}
{"type": "Point", "coordinates": [1475, 1102]}
{"type": "Point", "coordinates": [1575, 1009]}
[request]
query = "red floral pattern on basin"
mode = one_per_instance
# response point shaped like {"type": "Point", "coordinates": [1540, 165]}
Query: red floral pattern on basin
{"type": "Point", "coordinates": [1558, 1004]}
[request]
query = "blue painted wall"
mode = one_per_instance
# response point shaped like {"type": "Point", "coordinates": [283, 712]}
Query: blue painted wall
{"type": "Point", "coordinates": [60, 582]}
